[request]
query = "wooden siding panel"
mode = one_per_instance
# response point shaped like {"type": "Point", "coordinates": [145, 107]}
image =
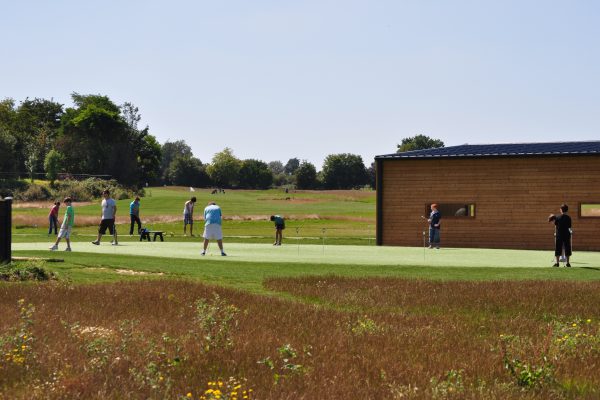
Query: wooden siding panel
{"type": "Point", "coordinates": [513, 198]}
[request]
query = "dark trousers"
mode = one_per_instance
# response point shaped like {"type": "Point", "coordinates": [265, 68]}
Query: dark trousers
{"type": "Point", "coordinates": [134, 219]}
{"type": "Point", "coordinates": [560, 243]}
{"type": "Point", "coordinates": [53, 223]}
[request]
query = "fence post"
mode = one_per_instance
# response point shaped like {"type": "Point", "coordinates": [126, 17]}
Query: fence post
{"type": "Point", "coordinates": [5, 230]}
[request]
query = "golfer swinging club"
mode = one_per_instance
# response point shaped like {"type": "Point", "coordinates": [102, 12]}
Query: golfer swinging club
{"type": "Point", "coordinates": [563, 234]}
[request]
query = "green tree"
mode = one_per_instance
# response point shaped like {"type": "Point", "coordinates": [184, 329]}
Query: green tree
{"type": "Point", "coordinates": [306, 176]}
{"type": "Point", "coordinates": [95, 139]}
{"type": "Point", "coordinates": [52, 165]}
{"type": "Point", "coordinates": [419, 142]}
{"type": "Point", "coordinates": [276, 167]}
{"type": "Point", "coordinates": [291, 166]}
{"type": "Point", "coordinates": [35, 125]}
{"type": "Point", "coordinates": [149, 153]}
{"type": "Point", "coordinates": [372, 175]}
{"type": "Point", "coordinates": [224, 168]}
{"type": "Point", "coordinates": [7, 139]}
{"type": "Point", "coordinates": [344, 171]}
{"type": "Point", "coordinates": [171, 151]}
{"type": "Point", "coordinates": [187, 171]}
{"type": "Point", "coordinates": [255, 174]}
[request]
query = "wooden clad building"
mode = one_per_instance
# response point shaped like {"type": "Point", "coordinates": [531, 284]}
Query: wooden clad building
{"type": "Point", "coordinates": [490, 196]}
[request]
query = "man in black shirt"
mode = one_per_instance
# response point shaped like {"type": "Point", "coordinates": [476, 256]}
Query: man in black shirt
{"type": "Point", "coordinates": [434, 227]}
{"type": "Point", "coordinates": [563, 234]}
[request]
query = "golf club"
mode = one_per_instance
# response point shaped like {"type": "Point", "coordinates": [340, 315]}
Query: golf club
{"type": "Point", "coordinates": [115, 236]}
{"type": "Point", "coordinates": [298, 237]}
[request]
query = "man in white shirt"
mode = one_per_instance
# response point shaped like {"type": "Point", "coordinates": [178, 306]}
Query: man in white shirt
{"type": "Point", "coordinates": [188, 216]}
{"type": "Point", "coordinates": [109, 212]}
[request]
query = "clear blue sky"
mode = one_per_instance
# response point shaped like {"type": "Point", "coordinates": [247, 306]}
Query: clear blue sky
{"type": "Point", "coordinates": [280, 79]}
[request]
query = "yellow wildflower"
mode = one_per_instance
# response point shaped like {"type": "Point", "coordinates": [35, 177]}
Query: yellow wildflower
{"type": "Point", "coordinates": [574, 325]}
{"type": "Point", "coordinates": [588, 321]}
{"type": "Point", "coordinates": [187, 395]}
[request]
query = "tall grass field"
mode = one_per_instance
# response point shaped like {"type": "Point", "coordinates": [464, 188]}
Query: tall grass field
{"type": "Point", "coordinates": [327, 315]}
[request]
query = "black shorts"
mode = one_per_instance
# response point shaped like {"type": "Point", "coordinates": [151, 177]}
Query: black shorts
{"type": "Point", "coordinates": [279, 226]}
{"type": "Point", "coordinates": [107, 223]}
{"type": "Point", "coordinates": [560, 243]}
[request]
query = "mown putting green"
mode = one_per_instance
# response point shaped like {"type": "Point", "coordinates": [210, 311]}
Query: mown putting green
{"type": "Point", "coordinates": [318, 254]}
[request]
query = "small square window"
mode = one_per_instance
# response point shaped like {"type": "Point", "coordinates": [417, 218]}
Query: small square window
{"type": "Point", "coordinates": [589, 210]}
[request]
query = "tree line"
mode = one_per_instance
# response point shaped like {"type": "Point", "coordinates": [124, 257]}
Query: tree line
{"type": "Point", "coordinates": [98, 137]}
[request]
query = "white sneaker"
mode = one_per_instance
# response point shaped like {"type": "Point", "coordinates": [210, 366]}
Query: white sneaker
{"type": "Point", "coordinates": [114, 243]}
{"type": "Point", "coordinates": [53, 248]}
{"type": "Point", "coordinates": [68, 249]}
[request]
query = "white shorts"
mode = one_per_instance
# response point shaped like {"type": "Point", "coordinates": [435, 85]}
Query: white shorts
{"type": "Point", "coordinates": [213, 231]}
{"type": "Point", "coordinates": [65, 232]}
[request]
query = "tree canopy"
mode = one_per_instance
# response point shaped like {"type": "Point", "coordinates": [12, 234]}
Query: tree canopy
{"type": "Point", "coordinates": [419, 142]}
{"type": "Point", "coordinates": [224, 168]}
{"type": "Point", "coordinates": [306, 176]}
{"type": "Point", "coordinates": [344, 171]}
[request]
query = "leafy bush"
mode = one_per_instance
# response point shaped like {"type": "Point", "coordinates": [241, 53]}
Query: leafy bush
{"type": "Point", "coordinates": [33, 192]}
{"type": "Point", "coordinates": [8, 187]}
{"type": "Point", "coordinates": [29, 271]}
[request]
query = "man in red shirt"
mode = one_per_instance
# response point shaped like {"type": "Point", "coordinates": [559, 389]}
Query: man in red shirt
{"type": "Point", "coordinates": [53, 218]}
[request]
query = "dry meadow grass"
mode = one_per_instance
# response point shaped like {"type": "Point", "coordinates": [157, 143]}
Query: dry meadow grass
{"type": "Point", "coordinates": [347, 339]}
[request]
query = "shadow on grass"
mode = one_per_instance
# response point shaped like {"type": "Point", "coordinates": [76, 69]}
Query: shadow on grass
{"type": "Point", "coordinates": [592, 268]}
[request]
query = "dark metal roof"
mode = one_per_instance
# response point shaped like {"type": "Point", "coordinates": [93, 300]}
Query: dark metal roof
{"type": "Point", "coordinates": [502, 150]}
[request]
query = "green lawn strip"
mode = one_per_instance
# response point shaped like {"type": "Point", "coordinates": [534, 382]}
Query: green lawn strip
{"type": "Point", "coordinates": [83, 267]}
{"type": "Point", "coordinates": [344, 255]}
{"type": "Point", "coordinates": [239, 230]}
{"type": "Point", "coordinates": [169, 201]}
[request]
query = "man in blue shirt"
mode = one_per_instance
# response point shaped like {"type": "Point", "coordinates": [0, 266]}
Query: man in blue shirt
{"type": "Point", "coordinates": [212, 226]}
{"type": "Point", "coordinates": [434, 227]}
{"type": "Point", "coordinates": [134, 214]}
{"type": "Point", "coordinates": [279, 227]}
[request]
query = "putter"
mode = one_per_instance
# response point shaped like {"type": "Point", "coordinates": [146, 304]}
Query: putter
{"type": "Point", "coordinates": [298, 237]}
{"type": "Point", "coordinates": [115, 237]}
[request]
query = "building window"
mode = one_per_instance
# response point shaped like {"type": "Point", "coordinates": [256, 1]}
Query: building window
{"type": "Point", "coordinates": [451, 210]}
{"type": "Point", "coordinates": [589, 210]}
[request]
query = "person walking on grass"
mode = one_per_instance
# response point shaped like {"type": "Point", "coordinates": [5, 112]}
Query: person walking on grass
{"type": "Point", "coordinates": [563, 231]}
{"type": "Point", "coordinates": [109, 212]}
{"type": "Point", "coordinates": [53, 218]}
{"type": "Point", "coordinates": [134, 214]}
{"type": "Point", "coordinates": [279, 227]}
{"type": "Point", "coordinates": [66, 227]}
{"type": "Point", "coordinates": [212, 226]}
{"type": "Point", "coordinates": [434, 227]}
{"type": "Point", "coordinates": [188, 216]}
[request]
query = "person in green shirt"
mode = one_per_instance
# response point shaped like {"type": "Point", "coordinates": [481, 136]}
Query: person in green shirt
{"type": "Point", "coordinates": [279, 227]}
{"type": "Point", "coordinates": [66, 227]}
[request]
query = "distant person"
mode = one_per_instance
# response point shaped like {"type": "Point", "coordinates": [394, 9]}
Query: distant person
{"type": "Point", "coordinates": [188, 216]}
{"type": "Point", "coordinates": [109, 212]}
{"type": "Point", "coordinates": [53, 218]}
{"type": "Point", "coordinates": [434, 227]}
{"type": "Point", "coordinates": [134, 215]}
{"type": "Point", "coordinates": [563, 232]}
{"type": "Point", "coordinates": [279, 227]}
{"type": "Point", "coordinates": [66, 227]}
{"type": "Point", "coordinates": [212, 226]}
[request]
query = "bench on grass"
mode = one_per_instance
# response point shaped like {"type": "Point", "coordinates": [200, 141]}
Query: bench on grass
{"type": "Point", "coordinates": [146, 235]}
